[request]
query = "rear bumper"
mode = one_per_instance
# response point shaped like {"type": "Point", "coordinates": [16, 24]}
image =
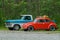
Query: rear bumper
{"type": "Point", "coordinates": [56, 28]}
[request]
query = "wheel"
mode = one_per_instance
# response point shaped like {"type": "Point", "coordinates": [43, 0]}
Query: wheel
{"type": "Point", "coordinates": [30, 28]}
{"type": "Point", "coordinates": [10, 28]}
{"type": "Point", "coordinates": [25, 30]}
{"type": "Point", "coordinates": [16, 27]}
{"type": "Point", "coordinates": [52, 28]}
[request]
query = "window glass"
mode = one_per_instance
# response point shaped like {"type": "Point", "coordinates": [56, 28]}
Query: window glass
{"type": "Point", "coordinates": [47, 20]}
{"type": "Point", "coordinates": [27, 18]}
{"type": "Point", "coordinates": [41, 21]}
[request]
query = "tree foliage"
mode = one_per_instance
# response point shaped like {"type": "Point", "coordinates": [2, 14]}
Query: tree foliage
{"type": "Point", "coordinates": [12, 9]}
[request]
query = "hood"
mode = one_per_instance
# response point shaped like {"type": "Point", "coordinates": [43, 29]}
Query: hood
{"type": "Point", "coordinates": [17, 21]}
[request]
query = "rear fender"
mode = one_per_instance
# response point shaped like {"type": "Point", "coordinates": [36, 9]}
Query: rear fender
{"type": "Point", "coordinates": [52, 25]}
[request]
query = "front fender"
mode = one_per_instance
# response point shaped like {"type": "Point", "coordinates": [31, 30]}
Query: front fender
{"type": "Point", "coordinates": [25, 26]}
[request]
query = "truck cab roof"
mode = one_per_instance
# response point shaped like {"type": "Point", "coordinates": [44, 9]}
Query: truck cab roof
{"type": "Point", "coordinates": [26, 15]}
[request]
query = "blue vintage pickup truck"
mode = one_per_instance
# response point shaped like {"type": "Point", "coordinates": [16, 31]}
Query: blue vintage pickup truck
{"type": "Point", "coordinates": [17, 23]}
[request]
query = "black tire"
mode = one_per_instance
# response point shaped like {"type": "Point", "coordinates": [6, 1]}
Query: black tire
{"type": "Point", "coordinates": [10, 28]}
{"type": "Point", "coordinates": [16, 27]}
{"type": "Point", "coordinates": [30, 28]}
{"type": "Point", "coordinates": [25, 29]}
{"type": "Point", "coordinates": [52, 28]}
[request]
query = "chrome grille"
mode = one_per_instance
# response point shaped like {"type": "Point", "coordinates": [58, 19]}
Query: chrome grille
{"type": "Point", "coordinates": [8, 23]}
